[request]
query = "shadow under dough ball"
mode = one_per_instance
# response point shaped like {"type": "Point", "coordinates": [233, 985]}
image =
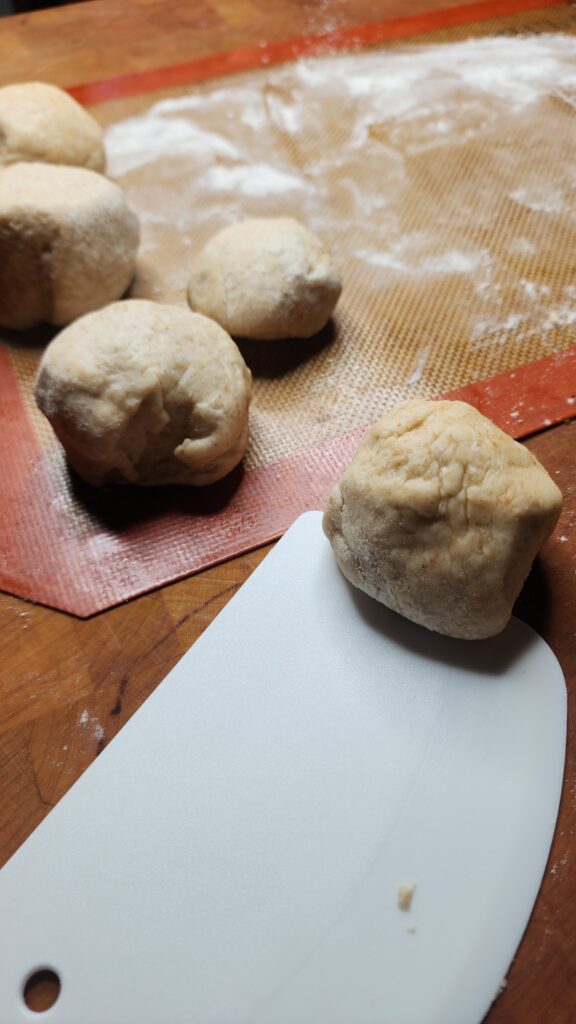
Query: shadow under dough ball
{"type": "Point", "coordinates": [41, 123]}
{"type": "Point", "coordinates": [266, 278]}
{"type": "Point", "coordinates": [68, 243]}
{"type": "Point", "coordinates": [439, 516]}
{"type": "Point", "coordinates": [142, 393]}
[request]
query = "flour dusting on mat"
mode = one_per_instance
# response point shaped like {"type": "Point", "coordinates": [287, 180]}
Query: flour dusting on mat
{"type": "Point", "coordinates": [440, 176]}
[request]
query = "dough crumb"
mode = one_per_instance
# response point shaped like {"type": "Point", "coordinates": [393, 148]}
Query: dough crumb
{"type": "Point", "coordinates": [405, 896]}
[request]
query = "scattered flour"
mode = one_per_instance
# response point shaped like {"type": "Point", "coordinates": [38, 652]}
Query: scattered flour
{"type": "Point", "coordinates": [256, 180]}
{"type": "Point", "coordinates": [87, 720]}
{"type": "Point", "coordinates": [404, 896]}
{"type": "Point", "coordinates": [177, 136]}
{"type": "Point", "coordinates": [421, 362]}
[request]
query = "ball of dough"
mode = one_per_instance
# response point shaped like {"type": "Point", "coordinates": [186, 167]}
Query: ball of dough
{"type": "Point", "coordinates": [43, 124]}
{"type": "Point", "coordinates": [439, 516]}
{"type": "Point", "coordinates": [267, 279]}
{"type": "Point", "coordinates": [146, 394]}
{"type": "Point", "coordinates": [68, 243]}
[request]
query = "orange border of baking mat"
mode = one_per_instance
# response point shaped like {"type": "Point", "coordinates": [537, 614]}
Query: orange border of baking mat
{"type": "Point", "coordinates": [248, 58]}
{"type": "Point", "coordinates": [47, 565]}
{"type": "Point", "coordinates": [50, 562]}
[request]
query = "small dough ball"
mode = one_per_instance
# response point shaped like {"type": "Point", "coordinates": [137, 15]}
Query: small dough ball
{"type": "Point", "coordinates": [68, 243]}
{"type": "Point", "coordinates": [439, 516]}
{"type": "Point", "coordinates": [43, 124]}
{"type": "Point", "coordinates": [146, 394]}
{"type": "Point", "coordinates": [268, 279]}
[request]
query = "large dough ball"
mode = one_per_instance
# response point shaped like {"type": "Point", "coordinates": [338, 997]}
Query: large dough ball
{"type": "Point", "coordinates": [146, 394]}
{"type": "Point", "coordinates": [268, 279]}
{"type": "Point", "coordinates": [68, 243]}
{"type": "Point", "coordinates": [43, 124]}
{"type": "Point", "coordinates": [439, 516]}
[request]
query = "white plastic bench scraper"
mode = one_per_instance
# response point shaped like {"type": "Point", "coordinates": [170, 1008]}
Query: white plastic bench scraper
{"type": "Point", "coordinates": [235, 855]}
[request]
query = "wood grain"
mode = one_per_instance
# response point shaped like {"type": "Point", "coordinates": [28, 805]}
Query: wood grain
{"type": "Point", "coordinates": [86, 42]}
{"type": "Point", "coordinates": [67, 686]}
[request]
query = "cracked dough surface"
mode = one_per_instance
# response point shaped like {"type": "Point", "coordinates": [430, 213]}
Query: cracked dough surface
{"type": "Point", "coordinates": [43, 124]}
{"type": "Point", "coordinates": [68, 243]}
{"type": "Point", "coordinates": [440, 515]}
{"type": "Point", "coordinates": [144, 393]}
{"type": "Point", "coordinates": [266, 278]}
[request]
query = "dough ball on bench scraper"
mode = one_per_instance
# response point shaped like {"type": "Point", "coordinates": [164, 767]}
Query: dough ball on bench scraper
{"type": "Point", "coordinates": [266, 279]}
{"type": "Point", "coordinates": [68, 243]}
{"type": "Point", "coordinates": [142, 393]}
{"type": "Point", "coordinates": [43, 124]}
{"type": "Point", "coordinates": [439, 516]}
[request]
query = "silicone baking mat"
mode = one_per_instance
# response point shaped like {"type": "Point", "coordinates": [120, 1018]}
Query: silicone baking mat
{"type": "Point", "coordinates": [439, 170]}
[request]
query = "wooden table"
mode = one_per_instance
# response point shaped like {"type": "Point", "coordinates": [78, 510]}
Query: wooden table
{"type": "Point", "coordinates": [67, 686]}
